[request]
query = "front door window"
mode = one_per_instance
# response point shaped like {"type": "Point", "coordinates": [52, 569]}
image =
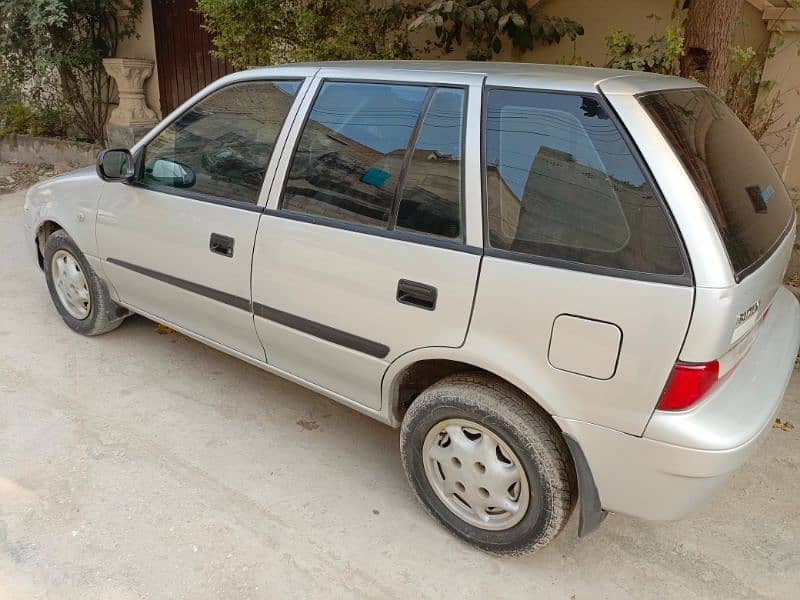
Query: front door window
{"type": "Point", "coordinates": [222, 145]}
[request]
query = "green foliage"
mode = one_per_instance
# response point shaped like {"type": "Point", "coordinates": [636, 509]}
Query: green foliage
{"type": "Point", "coordinates": [747, 64]}
{"type": "Point", "coordinates": [768, 121]}
{"type": "Point", "coordinates": [486, 23]}
{"type": "Point", "coordinates": [260, 32]}
{"type": "Point", "coordinates": [56, 48]}
{"type": "Point", "coordinates": [246, 32]}
{"type": "Point", "coordinates": [17, 116]}
{"type": "Point", "coordinates": [349, 30]}
{"type": "Point", "coordinates": [660, 53]}
{"type": "Point", "coordinates": [20, 118]}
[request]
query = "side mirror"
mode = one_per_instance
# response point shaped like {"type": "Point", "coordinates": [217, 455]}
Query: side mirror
{"type": "Point", "coordinates": [115, 164]}
{"type": "Point", "coordinates": [171, 173]}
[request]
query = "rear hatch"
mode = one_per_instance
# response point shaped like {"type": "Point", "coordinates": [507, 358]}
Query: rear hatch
{"type": "Point", "coordinates": [743, 192]}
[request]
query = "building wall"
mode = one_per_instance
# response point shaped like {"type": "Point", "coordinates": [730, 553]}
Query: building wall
{"type": "Point", "coordinates": [783, 70]}
{"type": "Point", "coordinates": [596, 17]}
{"type": "Point", "coordinates": [144, 46]}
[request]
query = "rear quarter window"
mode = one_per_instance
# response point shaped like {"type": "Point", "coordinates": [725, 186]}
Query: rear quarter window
{"type": "Point", "coordinates": [562, 184]}
{"type": "Point", "coordinates": [742, 190]}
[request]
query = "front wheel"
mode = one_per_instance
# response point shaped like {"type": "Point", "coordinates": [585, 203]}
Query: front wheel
{"type": "Point", "coordinates": [79, 295]}
{"type": "Point", "coordinates": [488, 464]}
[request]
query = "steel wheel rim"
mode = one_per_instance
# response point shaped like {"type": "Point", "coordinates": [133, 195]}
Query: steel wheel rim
{"type": "Point", "coordinates": [71, 285]}
{"type": "Point", "coordinates": [476, 474]}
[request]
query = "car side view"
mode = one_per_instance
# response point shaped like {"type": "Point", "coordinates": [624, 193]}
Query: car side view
{"type": "Point", "coordinates": [562, 284]}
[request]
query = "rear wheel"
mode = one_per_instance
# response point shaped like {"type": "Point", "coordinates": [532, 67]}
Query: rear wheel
{"type": "Point", "coordinates": [488, 464]}
{"type": "Point", "coordinates": [79, 295]}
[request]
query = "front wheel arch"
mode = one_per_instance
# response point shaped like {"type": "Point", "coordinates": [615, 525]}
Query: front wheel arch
{"type": "Point", "coordinates": [105, 314]}
{"type": "Point", "coordinates": [43, 232]}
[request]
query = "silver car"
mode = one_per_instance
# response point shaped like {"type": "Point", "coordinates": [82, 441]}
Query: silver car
{"type": "Point", "coordinates": [561, 283]}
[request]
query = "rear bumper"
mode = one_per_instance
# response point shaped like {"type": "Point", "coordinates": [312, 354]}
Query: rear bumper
{"type": "Point", "coordinates": [684, 457]}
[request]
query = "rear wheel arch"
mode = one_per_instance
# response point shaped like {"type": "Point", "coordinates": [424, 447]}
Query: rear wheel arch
{"type": "Point", "coordinates": [412, 373]}
{"type": "Point", "coordinates": [433, 365]}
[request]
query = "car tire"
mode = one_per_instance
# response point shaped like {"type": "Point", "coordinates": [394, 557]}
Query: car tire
{"type": "Point", "coordinates": [80, 296]}
{"type": "Point", "coordinates": [446, 433]}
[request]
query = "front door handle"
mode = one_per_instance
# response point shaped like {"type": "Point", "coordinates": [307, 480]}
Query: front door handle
{"type": "Point", "coordinates": [221, 244]}
{"type": "Point", "coordinates": [416, 294]}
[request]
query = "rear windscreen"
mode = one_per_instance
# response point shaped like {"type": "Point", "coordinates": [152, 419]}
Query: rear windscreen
{"type": "Point", "coordinates": [741, 188]}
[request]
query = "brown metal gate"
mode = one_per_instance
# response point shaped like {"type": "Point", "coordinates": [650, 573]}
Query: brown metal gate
{"type": "Point", "coordinates": [183, 52]}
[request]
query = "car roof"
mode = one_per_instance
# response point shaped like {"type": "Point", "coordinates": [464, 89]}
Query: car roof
{"type": "Point", "coordinates": [530, 75]}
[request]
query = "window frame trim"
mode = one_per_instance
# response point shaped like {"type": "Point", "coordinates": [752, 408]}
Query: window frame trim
{"type": "Point", "coordinates": [370, 230]}
{"type": "Point", "coordinates": [397, 196]}
{"type": "Point", "coordinates": [258, 205]}
{"type": "Point", "coordinates": [686, 279]}
{"type": "Point", "coordinates": [384, 231]}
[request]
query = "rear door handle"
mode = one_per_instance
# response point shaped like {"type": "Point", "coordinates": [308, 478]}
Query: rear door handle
{"type": "Point", "coordinates": [416, 294]}
{"type": "Point", "coordinates": [221, 244]}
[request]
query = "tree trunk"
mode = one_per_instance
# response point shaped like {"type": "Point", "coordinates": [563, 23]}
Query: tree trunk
{"type": "Point", "coordinates": [710, 25]}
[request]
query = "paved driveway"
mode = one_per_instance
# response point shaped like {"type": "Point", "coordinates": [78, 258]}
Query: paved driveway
{"type": "Point", "coordinates": [141, 465]}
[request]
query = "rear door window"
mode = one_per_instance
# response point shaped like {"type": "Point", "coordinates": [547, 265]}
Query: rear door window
{"type": "Point", "coordinates": [383, 155]}
{"type": "Point", "coordinates": [741, 188]}
{"type": "Point", "coordinates": [562, 184]}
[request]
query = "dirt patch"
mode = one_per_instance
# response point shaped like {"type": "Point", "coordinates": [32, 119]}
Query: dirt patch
{"type": "Point", "coordinates": [18, 176]}
{"type": "Point", "coordinates": [308, 425]}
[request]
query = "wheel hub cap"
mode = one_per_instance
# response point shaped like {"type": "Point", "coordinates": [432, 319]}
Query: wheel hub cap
{"type": "Point", "coordinates": [476, 474]}
{"type": "Point", "coordinates": [71, 285]}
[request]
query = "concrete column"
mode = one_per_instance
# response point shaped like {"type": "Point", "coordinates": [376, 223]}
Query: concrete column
{"type": "Point", "coordinates": [132, 118]}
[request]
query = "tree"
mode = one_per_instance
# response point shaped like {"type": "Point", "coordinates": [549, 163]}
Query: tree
{"type": "Point", "coordinates": [245, 33]}
{"type": "Point", "coordinates": [741, 84]}
{"type": "Point", "coordinates": [62, 43]}
{"type": "Point", "coordinates": [484, 24]}
{"type": "Point", "coordinates": [261, 32]}
{"type": "Point", "coordinates": [709, 29]}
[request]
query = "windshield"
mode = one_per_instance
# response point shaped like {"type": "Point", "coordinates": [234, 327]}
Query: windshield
{"type": "Point", "coordinates": [741, 188]}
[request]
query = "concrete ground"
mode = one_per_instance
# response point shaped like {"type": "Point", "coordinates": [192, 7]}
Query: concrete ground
{"type": "Point", "coordinates": [140, 465]}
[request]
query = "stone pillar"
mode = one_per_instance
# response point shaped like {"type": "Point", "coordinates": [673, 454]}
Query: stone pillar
{"type": "Point", "coordinates": [783, 70]}
{"type": "Point", "coordinates": [132, 118]}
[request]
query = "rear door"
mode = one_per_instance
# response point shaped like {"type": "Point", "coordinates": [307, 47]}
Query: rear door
{"type": "Point", "coordinates": [366, 250]}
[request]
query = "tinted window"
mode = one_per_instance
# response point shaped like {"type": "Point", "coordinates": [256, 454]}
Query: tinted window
{"type": "Point", "coordinates": [741, 188]}
{"type": "Point", "coordinates": [563, 184]}
{"type": "Point", "coordinates": [430, 201]}
{"type": "Point", "coordinates": [222, 145]}
{"type": "Point", "coordinates": [350, 155]}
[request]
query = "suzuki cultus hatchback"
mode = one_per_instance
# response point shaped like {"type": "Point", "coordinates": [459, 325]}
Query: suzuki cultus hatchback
{"type": "Point", "coordinates": [562, 283]}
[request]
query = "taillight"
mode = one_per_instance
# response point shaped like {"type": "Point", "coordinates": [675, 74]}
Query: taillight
{"type": "Point", "coordinates": [766, 310]}
{"type": "Point", "coordinates": [687, 384]}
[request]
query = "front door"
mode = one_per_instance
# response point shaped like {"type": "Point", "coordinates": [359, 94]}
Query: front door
{"type": "Point", "coordinates": [364, 253]}
{"type": "Point", "coordinates": [177, 243]}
